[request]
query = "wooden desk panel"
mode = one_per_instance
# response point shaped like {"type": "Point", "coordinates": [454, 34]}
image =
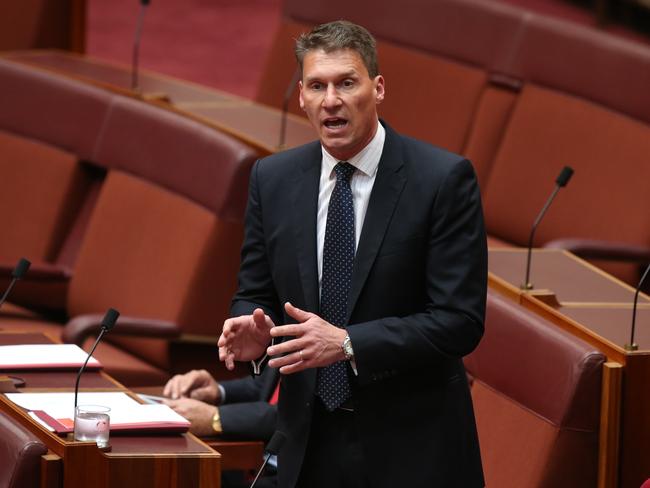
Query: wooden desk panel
{"type": "Point", "coordinates": [613, 324]}
{"type": "Point", "coordinates": [597, 308]}
{"type": "Point", "coordinates": [254, 124]}
{"type": "Point", "coordinates": [165, 461]}
{"type": "Point", "coordinates": [571, 278]}
{"type": "Point", "coordinates": [117, 77]}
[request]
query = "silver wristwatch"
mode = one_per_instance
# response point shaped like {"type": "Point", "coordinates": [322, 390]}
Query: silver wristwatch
{"type": "Point", "coordinates": [347, 348]}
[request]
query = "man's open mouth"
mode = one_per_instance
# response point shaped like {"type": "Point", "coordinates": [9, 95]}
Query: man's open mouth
{"type": "Point", "coordinates": [335, 123]}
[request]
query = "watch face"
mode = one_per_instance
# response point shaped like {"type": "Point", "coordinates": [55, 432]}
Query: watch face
{"type": "Point", "coordinates": [347, 348]}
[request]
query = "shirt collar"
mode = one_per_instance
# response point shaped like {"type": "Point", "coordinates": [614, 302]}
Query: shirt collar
{"type": "Point", "coordinates": [366, 160]}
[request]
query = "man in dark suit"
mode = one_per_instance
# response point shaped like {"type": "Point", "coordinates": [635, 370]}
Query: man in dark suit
{"type": "Point", "coordinates": [236, 409]}
{"type": "Point", "coordinates": [364, 261]}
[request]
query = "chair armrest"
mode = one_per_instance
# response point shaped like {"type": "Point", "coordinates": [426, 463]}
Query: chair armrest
{"type": "Point", "coordinates": [605, 250]}
{"type": "Point", "coordinates": [38, 272]}
{"type": "Point", "coordinates": [79, 328]}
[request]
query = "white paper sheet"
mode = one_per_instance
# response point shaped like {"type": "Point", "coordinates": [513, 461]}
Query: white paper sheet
{"type": "Point", "coordinates": [125, 411]}
{"type": "Point", "coordinates": [46, 356]}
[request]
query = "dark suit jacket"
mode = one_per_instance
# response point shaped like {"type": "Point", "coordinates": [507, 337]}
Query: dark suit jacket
{"type": "Point", "coordinates": [416, 306]}
{"type": "Point", "coordinates": [246, 414]}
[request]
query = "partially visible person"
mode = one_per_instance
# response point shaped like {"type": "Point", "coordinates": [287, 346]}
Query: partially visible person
{"type": "Point", "coordinates": [237, 408]}
{"type": "Point", "coordinates": [234, 409]}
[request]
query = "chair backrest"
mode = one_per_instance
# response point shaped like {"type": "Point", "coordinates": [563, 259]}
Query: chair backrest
{"type": "Point", "coordinates": [46, 107]}
{"type": "Point", "coordinates": [179, 154]}
{"type": "Point", "coordinates": [153, 254]}
{"type": "Point", "coordinates": [41, 189]}
{"type": "Point", "coordinates": [536, 393]}
{"type": "Point", "coordinates": [607, 199]}
{"type": "Point", "coordinates": [20, 455]}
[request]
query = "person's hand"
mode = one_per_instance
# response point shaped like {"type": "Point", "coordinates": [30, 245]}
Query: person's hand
{"type": "Point", "coordinates": [197, 384]}
{"type": "Point", "coordinates": [198, 413]}
{"type": "Point", "coordinates": [316, 343]}
{"type": "Point", "coordinates": [245, 338]}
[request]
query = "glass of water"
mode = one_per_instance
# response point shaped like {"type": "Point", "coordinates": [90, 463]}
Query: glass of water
{"type": "Point", "coordinates": [92, 423]}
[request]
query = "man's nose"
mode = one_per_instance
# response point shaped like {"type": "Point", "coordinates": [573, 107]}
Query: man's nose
{"type": "Point", "coordinates": [331, 97]}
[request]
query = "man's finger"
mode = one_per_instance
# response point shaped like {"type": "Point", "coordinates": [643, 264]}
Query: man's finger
{"type": "Point", "coordinates": [169, 402]}
{"type": "Point", "coordinates": [259, 318]}
{"type": "Point", "coordinates": [289, 359]}
{"type": "Point", "coordinates": [293, 330]}
{"type": "Point", "coordinates": [296, 313]}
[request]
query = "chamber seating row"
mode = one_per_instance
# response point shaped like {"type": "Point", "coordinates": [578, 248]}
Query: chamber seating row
{"type": "Point", "coordinates": [118, 204]}
{"type": "Point", "coordinates": [522, 95]}
{"type": "Point", "coordinates": [537, 396]}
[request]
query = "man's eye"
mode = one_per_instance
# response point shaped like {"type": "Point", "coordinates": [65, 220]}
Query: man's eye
{"type": "Point", "coordinates": [316, 86]}
{"type": "Point", "coordinates": [348, 83]}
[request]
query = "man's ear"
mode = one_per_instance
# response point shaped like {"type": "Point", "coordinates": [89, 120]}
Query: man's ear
{"type": "Point", "coordinates": [380, 88]}
{"type": "Point", "coordinates": [302, 102]}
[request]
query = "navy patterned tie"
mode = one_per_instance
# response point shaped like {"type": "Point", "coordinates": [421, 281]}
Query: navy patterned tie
{"type": "Point", "coordinates": [338, 257]}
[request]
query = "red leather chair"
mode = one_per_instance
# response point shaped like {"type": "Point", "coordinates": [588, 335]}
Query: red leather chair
{"type": "Point", "coordinates": [20, 456]}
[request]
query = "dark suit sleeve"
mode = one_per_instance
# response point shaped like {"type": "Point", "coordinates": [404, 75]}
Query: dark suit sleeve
{"type": "Point", "coordinates": [248, 421]}
{"type": "Point", "coordinates": [247, 413]}
{"type": "Point", "coordinates": [251, 388]}
{"type": "Point", "coordinates": [256, 288]}
{"type": "Point", "coordinates": [449, 323]}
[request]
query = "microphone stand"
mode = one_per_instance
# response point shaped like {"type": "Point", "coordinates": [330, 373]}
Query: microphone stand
{"type": "Point", "coordinates": [136, 46]}
{"type": "Point", "coordinates": [107, 324]}
{"type": "Point", "coordinates": [17, 274]}
{"type": "Point", "coordinates": [632, 346]}
{"type": "Point", "coordinates": [285, 108]}
{"type": "Point", "coordinates": [272, 448]}
{"type": "Point", "coordinates": [527, 284]}
{"type": "Point", "coordinates": [560, 182]}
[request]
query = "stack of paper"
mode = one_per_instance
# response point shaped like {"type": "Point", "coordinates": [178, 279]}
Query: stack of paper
{"type": "Point", "coordinates": [45, 356]}
{"type": "Point", "coordinates": [56, 411]}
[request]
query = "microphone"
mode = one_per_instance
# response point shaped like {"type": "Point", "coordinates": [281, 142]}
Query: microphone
{"type": "Point", "coordinates": [136, 46]}
{"type": "Point", "coordinates": [285, 108]}
{"type": "Point", "coordinates": [108, 322]}
{"type": "Point", "coordinates": [560, 182]}
{"type": "Point", "coordinates": [632, 346]}
{"type": "Point", "coordinates": [272, 449]}
{"type": "Point", "coordinates": [17, 274]}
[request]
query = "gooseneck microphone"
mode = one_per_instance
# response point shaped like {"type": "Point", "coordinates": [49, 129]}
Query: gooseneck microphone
{"type": "Point", "coordinates": [560, 182]}
{"type": "Point", "coordinates": [17, 274]}
{"type": "Point", "coordinates": [108, 322]}
{"type": "Point", "coordinates": [135, 60]}
{"type": "Point", "coordinates": [285, 108]}
{"type": "Point", "coordinates": [632, 346]}
{"type": "Point", "coordinates": [272, 449]}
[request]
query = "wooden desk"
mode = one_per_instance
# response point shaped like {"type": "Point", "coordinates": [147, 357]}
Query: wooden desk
{"type": "Point", "coordinates": [255, 124]}
{"type": "Point", "coordinates": [597, 308]}
{"type": "Point", "coordinates": [166, 461]}
{"type": "Point", "coordinates": [235, 455]}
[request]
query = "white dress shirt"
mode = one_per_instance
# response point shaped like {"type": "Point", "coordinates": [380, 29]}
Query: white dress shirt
{"type": "Point", "coordinates": [361, 183]}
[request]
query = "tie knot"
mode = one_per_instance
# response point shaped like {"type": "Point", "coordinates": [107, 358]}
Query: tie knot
{"type": "Point", "coordinates": [344, 171]}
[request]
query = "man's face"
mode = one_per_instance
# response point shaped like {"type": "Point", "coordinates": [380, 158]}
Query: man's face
{"type": "Point", "coordinates": [340, 100]}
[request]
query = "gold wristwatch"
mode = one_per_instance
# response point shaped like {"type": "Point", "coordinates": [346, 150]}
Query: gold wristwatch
{"type": "Point", "coordinates": [216, 422]}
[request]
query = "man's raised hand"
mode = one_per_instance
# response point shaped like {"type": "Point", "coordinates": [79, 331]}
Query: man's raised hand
{"type": "Point", "coordinates": [245, 338]}
{"type": "Point", "coordinates": [313, 342]}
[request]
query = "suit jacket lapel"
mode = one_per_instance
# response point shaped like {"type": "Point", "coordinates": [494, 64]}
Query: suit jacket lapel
{"type": "Point", "coordinates": [385, 195]}
{"type": "Point", "coordinates": [305, 208]}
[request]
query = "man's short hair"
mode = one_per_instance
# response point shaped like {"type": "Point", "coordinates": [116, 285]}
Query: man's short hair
{"type": "Point", "coordinates": [338, 35]}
